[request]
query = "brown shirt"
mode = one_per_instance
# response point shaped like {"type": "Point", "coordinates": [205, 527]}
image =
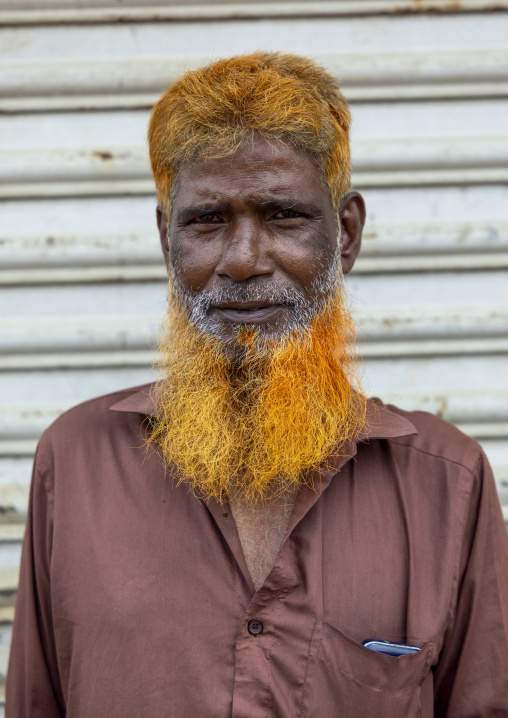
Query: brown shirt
{"type": "Point", "coordinates": [135, 599]}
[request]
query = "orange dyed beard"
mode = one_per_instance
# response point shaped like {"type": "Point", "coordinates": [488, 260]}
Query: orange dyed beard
{"type": "Point", "coordinates": [252, 423]}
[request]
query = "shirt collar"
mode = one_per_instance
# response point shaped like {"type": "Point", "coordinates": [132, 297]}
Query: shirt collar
{"type": "Point", "coordinates": [382, 421]}
{"type": "Point", "coordinates": [139, 402]}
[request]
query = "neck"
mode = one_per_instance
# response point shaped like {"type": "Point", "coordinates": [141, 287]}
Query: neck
{"type": "Point", "coordinates": [261, 528]}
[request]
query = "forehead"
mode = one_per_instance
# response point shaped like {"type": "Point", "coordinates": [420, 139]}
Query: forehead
{"type": "Point", "coordinates": [260, 169]}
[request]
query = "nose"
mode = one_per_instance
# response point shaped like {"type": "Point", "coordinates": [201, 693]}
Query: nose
{"type": "Point", "coordinates": [244, 252]}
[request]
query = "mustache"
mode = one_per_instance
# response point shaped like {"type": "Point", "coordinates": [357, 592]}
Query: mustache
{"type": "Point", "coordinates": [301, 308]}
{"type": "Point", "coordinates": [234, 293]}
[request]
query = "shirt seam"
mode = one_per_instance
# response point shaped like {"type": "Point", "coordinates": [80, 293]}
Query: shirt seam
{"type": "Point", "coordinates": [318, 623]}
{"type": "Point", "coordinates": [452, 604]}
{"type": "Point", "coordinates": [471, 470]}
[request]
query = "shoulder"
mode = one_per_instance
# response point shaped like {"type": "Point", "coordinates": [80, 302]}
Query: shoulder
{"type": "Point", "coordinates": [85, 422]}
{"type": "Point", "coordinates": [436, 440]}
{"type": "Point", "coordinates": [442, 474]}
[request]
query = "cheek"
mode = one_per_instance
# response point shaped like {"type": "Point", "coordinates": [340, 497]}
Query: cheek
{"type": "Point", "coordinates": [193, 263]}
{"type": "Point", "coordinates": [306, 263]}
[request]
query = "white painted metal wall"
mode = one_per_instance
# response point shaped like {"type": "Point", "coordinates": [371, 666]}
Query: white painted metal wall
{"type": "Point", "coordinates": [81, 281]}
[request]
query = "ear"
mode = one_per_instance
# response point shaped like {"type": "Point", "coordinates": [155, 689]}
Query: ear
{"type": "Point", "coordinates": [352, 218]}
{"type": "Point", "coordinates": [162, 224]}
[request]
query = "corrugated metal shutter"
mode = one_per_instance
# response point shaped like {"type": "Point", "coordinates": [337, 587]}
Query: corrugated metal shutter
{"type": "Point", "coordinates": [82, 283]}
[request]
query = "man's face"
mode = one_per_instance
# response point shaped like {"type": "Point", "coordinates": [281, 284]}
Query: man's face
{"type": "Point", "coordinates": [253, 240]}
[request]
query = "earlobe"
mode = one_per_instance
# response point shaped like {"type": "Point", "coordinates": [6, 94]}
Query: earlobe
{"type": "Point", "coordinates": [162, 224]}
{"type": "Point", "coordinates": [352, 218]}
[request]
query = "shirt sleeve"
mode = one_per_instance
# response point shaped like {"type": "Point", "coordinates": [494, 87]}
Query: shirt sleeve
{"type": "Point", "coordinates": [471, 678]}
{"type": "Point", "coordinates": [33, 687]}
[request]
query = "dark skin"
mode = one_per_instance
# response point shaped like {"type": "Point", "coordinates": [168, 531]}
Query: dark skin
{"type": "Point", "coordinates": [259, 216]}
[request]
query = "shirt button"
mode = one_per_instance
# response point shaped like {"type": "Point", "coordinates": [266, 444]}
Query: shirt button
{"type": "Point", "coordinates": [255, 626]}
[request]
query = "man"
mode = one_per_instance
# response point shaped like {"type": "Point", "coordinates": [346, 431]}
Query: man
{"type": "Point", "coordinates": [223, 542]}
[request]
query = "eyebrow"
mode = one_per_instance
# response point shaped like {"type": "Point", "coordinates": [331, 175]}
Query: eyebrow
{"type": "Point", "coordinates": [283, 202]}
{"type": "Point", "coordinates": [290, 203]}
{"type": "Point", "coordinates": [191, 211]}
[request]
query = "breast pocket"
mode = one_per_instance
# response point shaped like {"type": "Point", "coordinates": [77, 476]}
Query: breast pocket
{"type": "Point", "coordinates": [346, 680]}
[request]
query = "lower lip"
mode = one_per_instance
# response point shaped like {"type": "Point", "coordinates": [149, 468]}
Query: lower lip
{"type": "Point", "coordinates": [249, 316]}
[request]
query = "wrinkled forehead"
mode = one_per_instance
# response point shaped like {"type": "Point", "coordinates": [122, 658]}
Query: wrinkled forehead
{"type": "Point", "coordinates": [260, 168]}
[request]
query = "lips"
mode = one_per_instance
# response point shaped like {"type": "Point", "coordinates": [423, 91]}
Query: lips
{"type": "Point", "coordinates": [248, 312]}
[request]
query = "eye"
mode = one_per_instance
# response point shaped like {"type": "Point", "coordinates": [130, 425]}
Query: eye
{"type": "Point", "coordinates": [286, 214]}
{"type": "Point", "coordinates": [209, 218]}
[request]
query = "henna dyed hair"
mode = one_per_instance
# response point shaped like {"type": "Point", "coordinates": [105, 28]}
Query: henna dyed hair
{"type": "Point", "coordinates": [213, 111]}
{"type": "Point", "coordinates": [253, 425]}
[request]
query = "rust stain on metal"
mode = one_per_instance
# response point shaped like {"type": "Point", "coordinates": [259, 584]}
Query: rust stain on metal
{"type": "Point", "coordinates": [445, 7]}
{"type": "Point", "coordinates": [442, 406]}
{"type": "Point", "coordinates": [454, 5]}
